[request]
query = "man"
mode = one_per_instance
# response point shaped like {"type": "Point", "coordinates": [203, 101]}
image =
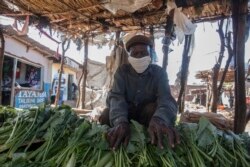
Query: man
{"type": "Point", "coordinates": [140, 92]}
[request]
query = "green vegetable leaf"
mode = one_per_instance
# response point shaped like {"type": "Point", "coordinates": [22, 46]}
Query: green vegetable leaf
{"type": "Point", "coordinates": [137, 133]}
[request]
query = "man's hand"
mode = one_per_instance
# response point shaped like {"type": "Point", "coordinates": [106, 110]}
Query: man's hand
{"type": "Point", "coordinates": [157, 129]}
{"type": "Point", "coordinates": [118, 134]}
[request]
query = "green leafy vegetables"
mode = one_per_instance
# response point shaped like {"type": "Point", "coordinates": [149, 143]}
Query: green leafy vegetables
{"type": "Point", "coordinates": [47, 137]}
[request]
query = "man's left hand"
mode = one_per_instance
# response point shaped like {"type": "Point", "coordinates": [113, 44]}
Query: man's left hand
{"type": "Point", "coordinates": [157, 128]}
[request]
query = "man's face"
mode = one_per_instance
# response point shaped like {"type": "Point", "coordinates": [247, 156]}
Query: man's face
{"type": "Point", "coordinates": [139, 51]}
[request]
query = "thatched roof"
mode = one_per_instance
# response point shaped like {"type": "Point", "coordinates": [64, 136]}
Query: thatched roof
{"type": "Point", "coordinates": [29, 42]}
{"type": "Point", "coordinates": [206, 75]}
{"type": "Point", "coordinates": [77, 17]}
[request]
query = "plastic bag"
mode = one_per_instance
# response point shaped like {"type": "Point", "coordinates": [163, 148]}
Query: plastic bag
{"type": "Point", "coordinates": [183, 25]}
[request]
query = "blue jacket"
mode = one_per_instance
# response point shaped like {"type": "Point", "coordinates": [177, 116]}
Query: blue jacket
{"type": "Point", "coordinates": [131, 88]}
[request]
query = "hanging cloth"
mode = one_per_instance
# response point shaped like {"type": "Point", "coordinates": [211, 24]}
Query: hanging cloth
{"type": "Point", "coordinates": [25, 28]}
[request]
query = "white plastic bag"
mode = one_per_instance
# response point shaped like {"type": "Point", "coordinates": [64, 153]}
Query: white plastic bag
{"type": "Point", "coordinates": [183, 25]}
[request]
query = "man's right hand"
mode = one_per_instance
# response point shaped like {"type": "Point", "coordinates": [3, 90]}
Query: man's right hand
{"type": "Point", "coordinates": [118, 134]}
{"type": "Point", "coordinates": [157, 129]}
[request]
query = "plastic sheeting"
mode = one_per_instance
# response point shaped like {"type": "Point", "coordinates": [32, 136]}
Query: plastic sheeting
{"type": "Point", "coordinates": [183, 25]}
{"type": "Point", "coordinates": [126, 5]}
{"type": "Point", "coordinates": [97, 75]}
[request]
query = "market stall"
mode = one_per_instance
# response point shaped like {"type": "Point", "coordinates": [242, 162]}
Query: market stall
{"type": "Point", "coordinates": [79, 142]}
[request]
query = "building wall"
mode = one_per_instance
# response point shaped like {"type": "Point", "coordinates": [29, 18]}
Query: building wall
{"type": "Point", "coordinates": [56, 67]}
{"type": "Point", "coordinates": [20, 50]}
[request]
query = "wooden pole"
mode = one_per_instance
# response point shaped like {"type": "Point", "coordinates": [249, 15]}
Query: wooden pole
{"type": "Point", "coordinates": [239, 21]}
{"type": "Point", "coordinates": [184, 72]}
{"type": "Point", "coordinates": [216, 69]}
{"type": "Point", "coordinates": [151, 31]}
{"type": "Point", "coordinates": [12, 97]}
{"type": "Point", "coordinates": [117, 43]}
{"type": "Point", "coordinates": [79, 90]}
{"type": "Point", "coordinates": [112, 66]}
{"type": "Point", "coordinates": [167, 38]}
{"type": "Point", "coordinates": [61, 70]}
{"type": "Point", "coordinates": [85, 72]}
{"type": "Point", "coordinates": [230, 56]}
{"type": "Point", "coordinates": [208, 95]}
{"type": "Point", "coordinates": [1, 61]}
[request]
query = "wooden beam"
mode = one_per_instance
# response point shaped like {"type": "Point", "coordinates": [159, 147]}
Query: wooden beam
{"type": "Point", "coordinates": [69, 11]}
{"type": "Point", "coordinates": [1, 60]}
{"type": "Point", "coordinates": [85, 72]}
{"type": "Point", "coordinates": [57, 13]}
{"type": "Point", "coordinates": [90, 7]}
{"type": "Point", "coordinates": [239, 21]}
{"type": "Point", "coordinates": [17, 14]}
{"type": "Point", "coordinates": [12, 97]}
{"type": "Point", "coordinates": [169, 28]}
{"type": "Point", "coordinates": [58, 20]}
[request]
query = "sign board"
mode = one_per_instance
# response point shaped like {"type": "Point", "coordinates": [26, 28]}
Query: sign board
{"type": "Point", "coordinates": [29, 98]}
{"type": "Point", "coordinates": [64, 86]}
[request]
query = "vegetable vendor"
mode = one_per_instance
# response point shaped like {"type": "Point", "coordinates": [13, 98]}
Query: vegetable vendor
{"type": "Point", "coordinates": [140, 92]}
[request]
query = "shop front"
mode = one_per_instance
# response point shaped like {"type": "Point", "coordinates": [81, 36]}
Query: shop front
{"type": "Point", "coordinates": [23, 86]}
{"type": "Point", "coordinates": [26, 71]}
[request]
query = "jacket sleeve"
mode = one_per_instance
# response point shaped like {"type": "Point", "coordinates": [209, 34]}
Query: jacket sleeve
{"type": "Point", "coordinates": [166, 104]}
{"type": "Point", "coordinates": [118, 107]}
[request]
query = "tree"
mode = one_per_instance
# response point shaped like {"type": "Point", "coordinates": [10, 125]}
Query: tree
{"type": "Point", "coordinates": [184, 72]}
{"type": "Point", "coordinates": [83, 78]}
{"type": "Point", "coordinates": [61, 69]}
{"type": "Point", "coordinates": [216, 68]}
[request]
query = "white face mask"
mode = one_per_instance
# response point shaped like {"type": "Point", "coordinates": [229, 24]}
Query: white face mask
{"type": "Point", "coordinates": [139, 64]}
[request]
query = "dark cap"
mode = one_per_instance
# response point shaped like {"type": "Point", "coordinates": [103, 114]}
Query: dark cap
{"type": "Point", "coordinates": [138, 39]}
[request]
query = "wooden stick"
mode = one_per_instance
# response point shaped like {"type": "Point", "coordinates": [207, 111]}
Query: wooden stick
{"type": "Point", "coordinates": [17, 14]}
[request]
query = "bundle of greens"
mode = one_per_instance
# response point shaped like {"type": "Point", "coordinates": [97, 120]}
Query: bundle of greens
{"type": "Point", "coordinates": [48, 137]}
{"type": "Point", "coordinates": [6, 113]}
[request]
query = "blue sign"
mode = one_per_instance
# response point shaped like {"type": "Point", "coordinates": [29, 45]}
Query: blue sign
{"type": "Point", "coordinates": [29, 98]}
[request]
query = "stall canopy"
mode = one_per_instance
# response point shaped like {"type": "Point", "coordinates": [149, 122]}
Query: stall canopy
{"type": "Point", "coordinates": [77, 17]}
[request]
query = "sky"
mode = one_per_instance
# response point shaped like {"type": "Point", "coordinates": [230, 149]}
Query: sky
{"type": "Point", "coordinates": [205, 53]}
